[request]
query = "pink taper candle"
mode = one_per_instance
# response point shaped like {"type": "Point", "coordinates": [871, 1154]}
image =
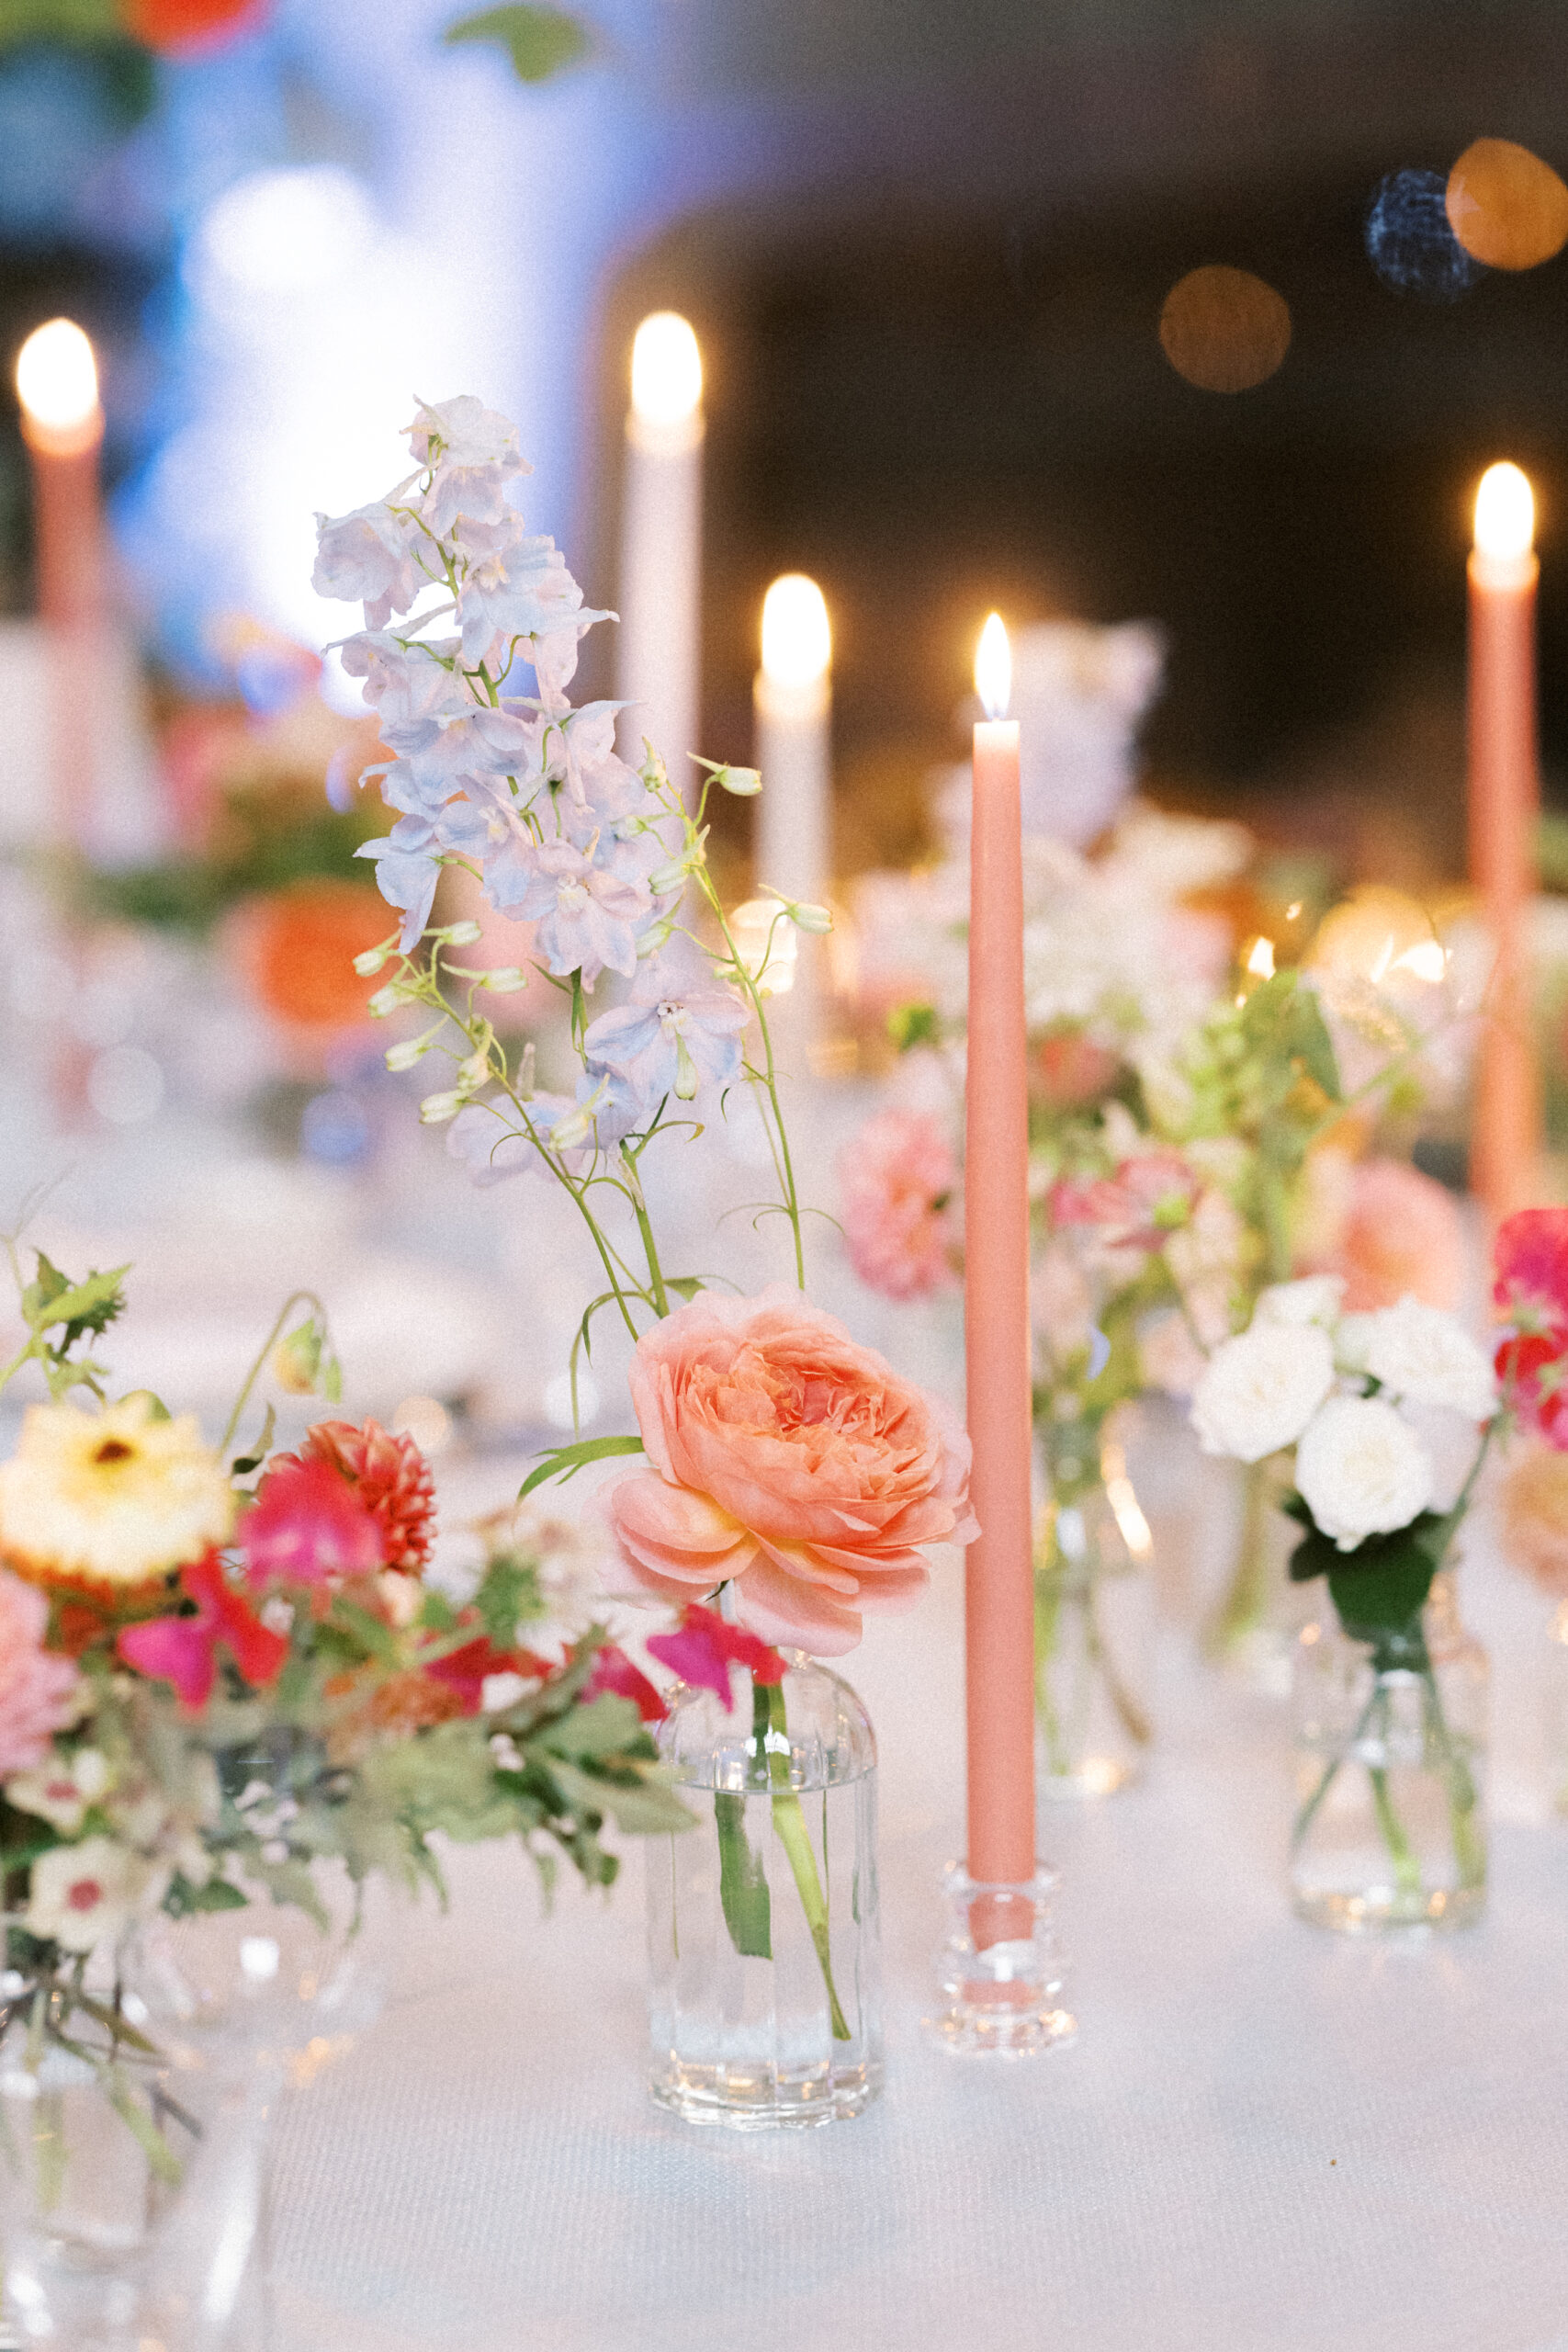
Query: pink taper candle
{"type": "Point", "coordinates": [1000, 1611]}
{"type": "Point", "coordinates": [57, 384]}
{"type": "Point", "coordinates": [1505, 803]}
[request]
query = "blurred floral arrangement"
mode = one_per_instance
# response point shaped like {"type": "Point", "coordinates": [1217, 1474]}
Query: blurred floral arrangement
{"type": "Point", "coordinates": [217, 1673]}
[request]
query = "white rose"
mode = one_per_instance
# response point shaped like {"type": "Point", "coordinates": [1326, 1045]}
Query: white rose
{"type": "Point", "coordinates": [1361, 1470]}
{"type": "Point", "coordinates": [1260, 1391]}
{"type": "Point", "coordinates": [86, 1894]}
{"type": "Point", "coordinates": [1314, 1299]}
{"type": "Point", "coordinates": [1419, 1352]}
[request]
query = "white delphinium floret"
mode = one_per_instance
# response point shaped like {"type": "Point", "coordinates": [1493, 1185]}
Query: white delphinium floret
{"type": "Point", "coordinates": [1361, 1470]}
{"type": "Point", "coordinates": [1259, 1390]}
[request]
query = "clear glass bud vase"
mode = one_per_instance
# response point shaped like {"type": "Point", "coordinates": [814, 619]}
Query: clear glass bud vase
{"type": "Point", "coordinates": [1390, 1743]}
{"type": "Point", "coordinates": [1094, 1621]}
{"type": "Point", "coordinates": [137, 2097]}
{"type": "Point", "coordinates": [764, 1985]}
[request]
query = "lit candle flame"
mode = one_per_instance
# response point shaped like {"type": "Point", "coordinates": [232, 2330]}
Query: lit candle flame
{"type": "Point", "coordinates": [57, 383]}
{"type": "Point", "coordinates": [1260, 963]}
{"type": "Point", "coordinates": [1504, 514]}
{"type": "Point", "coordinates": [666, 371]}
{"type": "Point", "coordinates": [797, 639]}
{"type": "Point", "coordinates": [993, 668]}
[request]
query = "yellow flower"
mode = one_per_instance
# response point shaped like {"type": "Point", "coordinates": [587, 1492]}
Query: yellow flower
{"type": "Point", "coordinates": [104, 1502]}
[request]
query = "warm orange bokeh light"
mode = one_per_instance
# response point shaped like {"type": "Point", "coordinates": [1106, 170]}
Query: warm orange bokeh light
{"type": "Point", "coordinates": [1224, 329]}
{"type": "Point", "coordinates": [165, 24]}
{"type": "Point", "coordinates": [300, 946]}
{"type": "Point", "coordinates": [1505, 206]}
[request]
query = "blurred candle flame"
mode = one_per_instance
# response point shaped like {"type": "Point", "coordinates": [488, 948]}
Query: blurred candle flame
{"type": "Point", "coordinates": [667, 370]}
{"type": "Point", "coordinates": [57, 383]}
{"type": "Point", "coordinates": [993, 668]}
{"type": "Point", "coordinates": [798, 637]}
{"type": "Point", "coordinates": [1260, 963]}
{"type": "Point", "coordinates": [1504, 514]}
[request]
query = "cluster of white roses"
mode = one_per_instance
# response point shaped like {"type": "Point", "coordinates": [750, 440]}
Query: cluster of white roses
{"type": "Point", "coordinates": [88, 1892]}
{"type": "Point", "coordinates": [1336, 1387]}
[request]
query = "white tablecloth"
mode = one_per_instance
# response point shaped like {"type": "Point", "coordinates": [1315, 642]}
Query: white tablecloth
{"type": "Point", "coordinates": [1267, 2138]}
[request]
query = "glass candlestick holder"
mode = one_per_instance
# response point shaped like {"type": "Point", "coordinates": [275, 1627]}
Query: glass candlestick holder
{"type": "Point", "coordinates": [999, 1968]}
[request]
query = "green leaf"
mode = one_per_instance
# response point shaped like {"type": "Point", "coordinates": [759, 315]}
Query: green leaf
{"type": "Point", "coordinates": [565, 1461]}
{"type": "Point", "coordinates": [742, 1882]}
{"type": "Point", "coordinates": [1381, 1587]}
{"type": "Point", "coordinates": [644, 1806]}
{"type": "Point", "coordinates": [90, 1305]}
{"type": "Point", "coordinates": [183, 1898]}
{"type": "Point", "coordinates": [685, 1287]}
{"type": "Point", "coordinates": [541, 42]}
{"type": "Point", "coordinates": [508, 1594]}
{"type": "Point", "coordinates": [913, 1025]}
{"type": "Point", "coordinates": [600, 1727]}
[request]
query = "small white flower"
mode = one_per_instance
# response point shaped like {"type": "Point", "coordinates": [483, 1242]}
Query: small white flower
{"type": "Point", "coordinates": [1361, 1470]}
{"type": "Point", "coordinates": [1260, 1391]}
{"type": "Point", "coordinates": [1420, 1353]}
{"type": "Point", "coordinates": [1314, 1299]}
{"type": "Point", "coordinates": [86, 1894]}
{"type": "Point", "coordinates": [61, 1790]}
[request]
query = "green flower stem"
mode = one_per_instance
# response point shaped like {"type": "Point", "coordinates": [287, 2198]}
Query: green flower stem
{"type": "Point", "coordinates": [1246, 1604]}
{"type": "Point", "coordinates": [1469, 1844]}
{"type": "Point", "coordinates": [789, 1823]}
{"type": "Point", "coordinates": [298, 1298]}
{"type": "Point", "coordinates": [1406, 1869]}
{"type": "Point", "coordinates": [1309, 1811]}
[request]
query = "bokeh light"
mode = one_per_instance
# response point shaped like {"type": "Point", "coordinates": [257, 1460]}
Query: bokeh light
{"type": "Point", "coordinates": [1410, 240]}
{"type": "Point", "coordinates": [1505, 206]}
{"type": "Point", "coordinates": [667, 369]}
{"type": "Point", "coordinates": [281, 231]}
{"type": "Point", "coordinates": [1225, 330]}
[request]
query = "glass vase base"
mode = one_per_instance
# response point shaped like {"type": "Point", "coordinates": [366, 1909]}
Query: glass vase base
{"type": "Point", "coordinates": [999, 1969]}
{"type": "Point", "coordinates": [1385, 1912]}
{"type": "Point", "coordinates": [762, 2099]}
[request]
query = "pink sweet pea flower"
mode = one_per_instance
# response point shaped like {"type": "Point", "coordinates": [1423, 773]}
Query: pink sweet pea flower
{"type": "Point", "coordinates": [1148, 1198]}
{"type": "Point", "coordinates": [897, 1183]}
{"type": "Point", "coordinates": [466, 1670]}
{"type": "Point", "coordinates": [1529, 1262]}
{"type": "Point", "coordinates": [39, 1691]}
{"type": "Point", "coordinates": [308, 1526]}
{"type": "Point", "coordinates": [704, 1647]}
{"type": "Point", "coordinates": [613, 1671]}
{"type": "Point", "coordinates": [184, 1650]}
{"type": "Point", "coordinates": [790, 1460]}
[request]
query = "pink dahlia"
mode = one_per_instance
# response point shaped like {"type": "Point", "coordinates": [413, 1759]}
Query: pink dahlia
{"type": "Point", "coordinates": [1403, 1237]}
{"type": "Point", "coordinates": [38, 1689]}
{"type": "Point", "coordinates": [390, 1478]}
{"type": "Point", "coordinates": [897, 1180]}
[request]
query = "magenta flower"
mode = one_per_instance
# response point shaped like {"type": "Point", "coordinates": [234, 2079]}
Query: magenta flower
{"type": "Point", "coordinates": [184, 1650]}
{"type": "Point", "coordinates": [308, 1526]}
{"type": "Point", "coordinates": [1529, 1263]}
{"type": "Point", "coordinates": [897, 1183]}
{"type": "Point", "coordinates": [38, 1689]}
{"type": "Point", "coordinates": [705, 1646]}
{"type": "Point", "coordinates": [613, 1671]}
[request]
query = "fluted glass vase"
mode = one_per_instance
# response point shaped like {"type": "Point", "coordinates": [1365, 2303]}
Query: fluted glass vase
{"type": "Point", "coordinates": [137, 2095]}
{"type": "Point", "coordinates": [764, 1985]}
{"type": "Point", "coordinates": [1094, 1621]}
{"type": "Point", "coordinates": [1391, 1744]}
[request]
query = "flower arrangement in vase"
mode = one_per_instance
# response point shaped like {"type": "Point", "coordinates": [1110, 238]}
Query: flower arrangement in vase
{"type": "Point", "coordinates": [1390, 1831]}
{"type": "Point", "coordinates": [229, 1702]}
{"type": "Point", "coordinates": [793, 1480]}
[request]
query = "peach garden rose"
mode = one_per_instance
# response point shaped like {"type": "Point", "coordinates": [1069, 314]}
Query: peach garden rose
{"type": "Point", "coordinates": [787, 1461]}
